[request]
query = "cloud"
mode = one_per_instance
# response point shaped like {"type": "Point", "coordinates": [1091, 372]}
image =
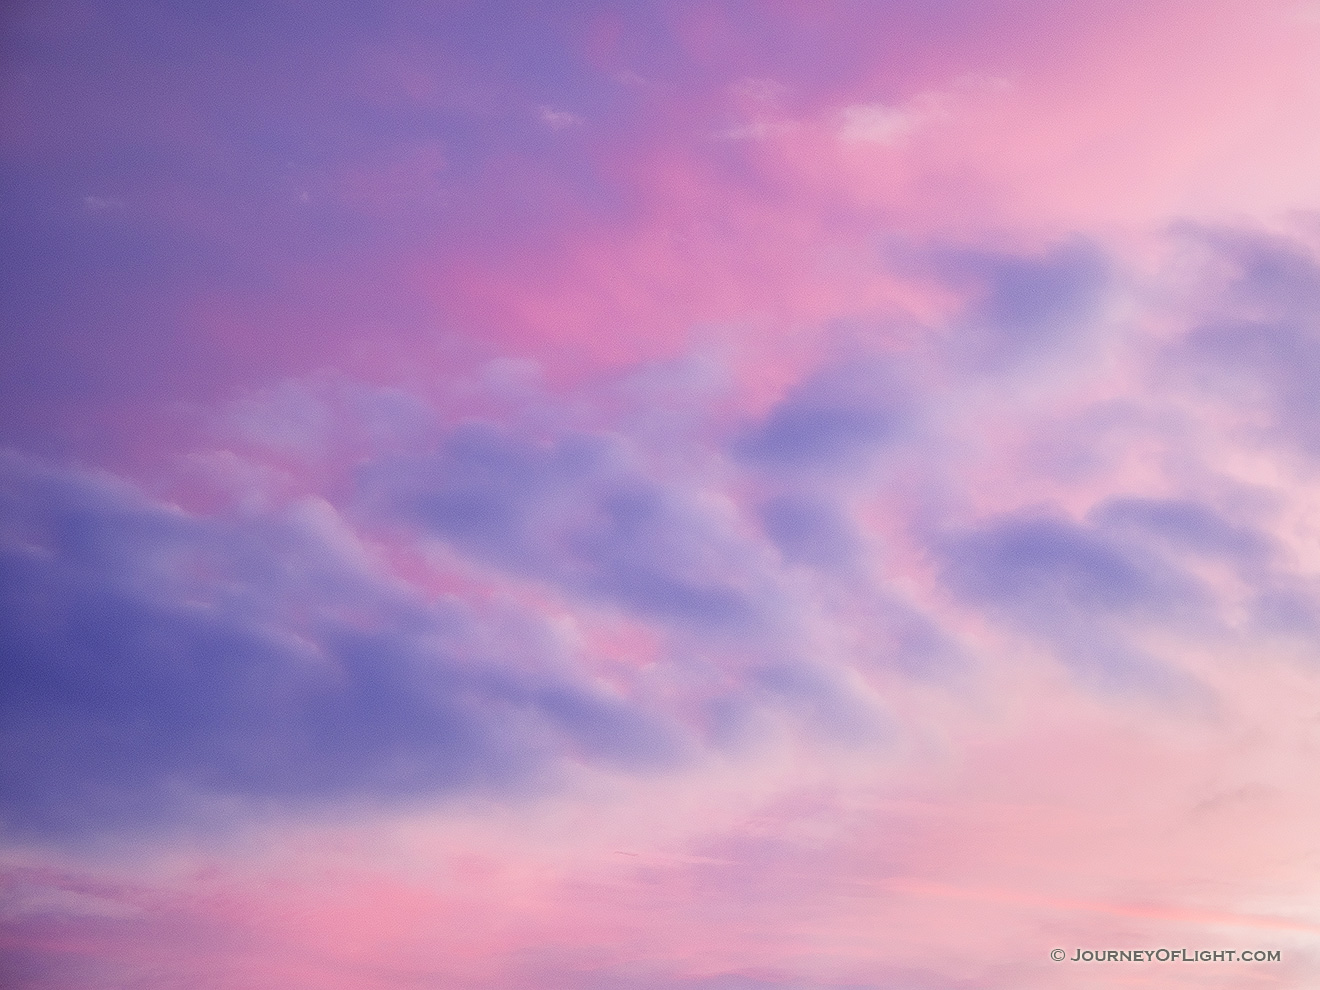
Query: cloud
{"type": "Point", "coordinates": [810, 531]}
{"type": "Point", "coordinates": [889, 123]}
{"type": "Point", "coordinates": [1022, 306]}
{"type": "Point", "coordinates": [1080, 589]}
{"type": "Point", "coordinates": [162, 663]}
{"type": "Point", "coordinates": [835, 418]}
{"type": "Point", "coordinates": [103, 204]}
{"type": "Point", "coordinates": [558, 120]}
{"type": "Point", "coordinates": [28, 899]}
{"type": "Point", "coordinates": [160, 667]}
{"type": "Point", "coordinates": [578, 512]}
{"type": "Point", "coordinates": [640, 978]}
{"type": "Point", "coordinates": [758, 130]}
{"type": "Point", "coordinates": [1254, 346]}
{"type": "Point", "coordinates": [1029, 565]}
{"type": "Point", "coordinates": [326, 417]}
{"type": "Point", "coordinates": [1185, 525]}
{"type": "Point", "coordinates": [876, 123]}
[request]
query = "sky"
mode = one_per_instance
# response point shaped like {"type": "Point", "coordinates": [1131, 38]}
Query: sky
{"type": "Point", "coordinates": [692, 495]}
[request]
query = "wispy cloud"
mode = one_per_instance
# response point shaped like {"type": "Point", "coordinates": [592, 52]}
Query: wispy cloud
{"type": "Point", "coordinates": [558, 120]}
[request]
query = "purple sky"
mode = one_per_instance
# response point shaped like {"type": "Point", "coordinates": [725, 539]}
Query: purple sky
{"type": "Point", "coordinates": [679, 496]}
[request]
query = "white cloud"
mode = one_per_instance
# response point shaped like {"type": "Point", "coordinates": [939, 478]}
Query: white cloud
{"type": "Point", "coordinates": [876, 123]}
{"type": "Point", "coordinates": [558, 120]}
{"type": "Point", "coordinates": [758, 130]}
{"type": "Point", "coordinates": [884, 123]}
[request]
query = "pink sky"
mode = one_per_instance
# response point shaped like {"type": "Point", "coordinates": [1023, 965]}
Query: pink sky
{"type": "Point", "coordinates": [691, 496]}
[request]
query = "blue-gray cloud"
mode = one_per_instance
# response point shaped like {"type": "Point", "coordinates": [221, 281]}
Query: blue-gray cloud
{"type": "Point", "coordinates": [1083, 589]}
{"type": "Point", "coordinates": [1032, 567]}
{"type": "Point", "coordinates": [837, 418]}
{"type": "Point", "coordinates": [810, 531]}
{"type": "Point", "coordinates": [1257, 344]}
{"type": "Point", "coordinates": [1019, 306]}
{"type": "Point", "coordinates": [1184, 525]}
{"type": "Point", "coordinates": [577, 513]}
{"type": "Point", "coordinates": [155, 663]}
